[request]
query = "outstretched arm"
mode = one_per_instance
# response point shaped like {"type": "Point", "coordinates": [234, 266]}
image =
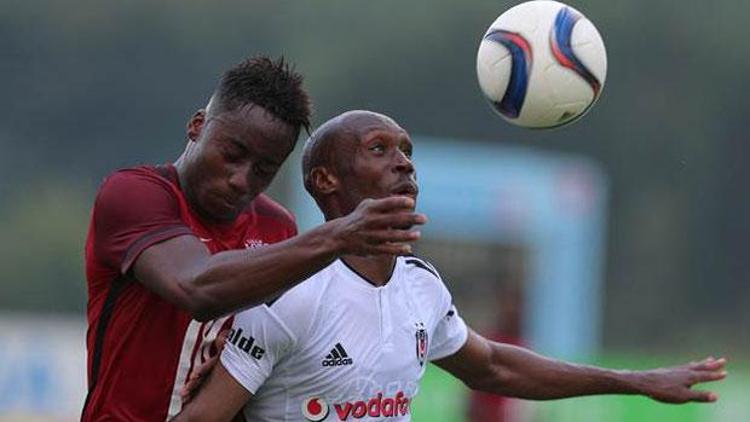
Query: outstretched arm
{"type": "Point", "coordinates": [182, 271]}
{"type": "Point", "coordinates": [517, 372]}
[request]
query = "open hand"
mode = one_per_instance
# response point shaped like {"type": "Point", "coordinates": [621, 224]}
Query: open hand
{"type": "Point", "coordinates": [674, 385]}
{"type": "Point", "coordinates": [379, 226]}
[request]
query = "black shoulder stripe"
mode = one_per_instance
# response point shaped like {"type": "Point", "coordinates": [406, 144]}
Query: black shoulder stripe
{"type": "Point", "coordinates": [273, 300]}
{"type": "Point", "coordinates": [422, 260]}
{"type": "Point", "coordinates": [423, 266]}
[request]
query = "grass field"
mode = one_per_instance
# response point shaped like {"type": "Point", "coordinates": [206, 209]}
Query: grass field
{"type": "Point", "coordinates": [443, 398]}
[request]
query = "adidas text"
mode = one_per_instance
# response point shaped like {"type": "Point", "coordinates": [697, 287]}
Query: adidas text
{"type": "Point", "coordinates": [338, 362]}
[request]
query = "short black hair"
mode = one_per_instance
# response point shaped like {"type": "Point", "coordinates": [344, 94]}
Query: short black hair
{"type": "Point", "coordinates": [271, 84]}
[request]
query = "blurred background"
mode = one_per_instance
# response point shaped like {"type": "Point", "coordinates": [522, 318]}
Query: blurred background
{"type": "Point", "coordinates": [620, 240]}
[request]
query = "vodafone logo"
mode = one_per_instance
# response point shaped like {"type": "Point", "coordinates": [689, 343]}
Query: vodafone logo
{"type": "Point", "coordinates": [315, 409]}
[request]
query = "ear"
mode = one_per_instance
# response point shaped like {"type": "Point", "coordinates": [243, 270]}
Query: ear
{"type": "Point", "coordinates": [195, 125]}
{"type": "Point", "coordinates": [324, 181]}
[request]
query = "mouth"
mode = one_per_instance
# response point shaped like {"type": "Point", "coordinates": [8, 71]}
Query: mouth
{"type": "Point", "coordinates": [409, 189]}
{"type": "Point", "coordinates": [231, 204]}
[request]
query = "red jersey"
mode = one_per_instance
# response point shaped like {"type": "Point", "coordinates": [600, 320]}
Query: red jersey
{"type": "Point", "coordinates": [141, 348]}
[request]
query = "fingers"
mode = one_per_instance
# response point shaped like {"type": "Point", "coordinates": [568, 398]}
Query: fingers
{"type": "Point", "coordinates": [206, 367]}
{"type": "Point", "coordinates": [221, 340]}
{"type": "Point", "coordinates": [707, 376]}
{"type": "Point", "coordinates": [712, 376]}
{"type": "Point", "coordinates": [391, 236]}
{"type": "Point", "coordinates": [378, 247]}
{"type": "Point", "coordinates": [709, 364]}
{"type": "Point", "coordinates": [187, 390]}
{"type": "Point", "coordinates": [401, 220]}
{"type": "Point", "coordinates": [380, 226]}
{"type": "Point", "coordinates": [707, 370]}
{"type": "Point", "coordinates": [196, 378]}
{"type": "Point", "coordinates": [703, 396]}
{"type": "Point", "coordinates": [389, 242]}
{"type": "Point", "coordinates": [385, 244]}
{"type": "Point", "coordinates": [390, 203]}
{"type": "Point", "coordinates": [387, 234]}
{"type": "Point", "coordinates": [391, 249]}
{"type": "Point", "coordinates": [397, 211]}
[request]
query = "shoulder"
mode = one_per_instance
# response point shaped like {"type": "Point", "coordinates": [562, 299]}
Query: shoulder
{"type": "Point", "coordinates": [264, 206]}
{"type": "Point", "coordinates": [298, 307]}
{"type": "Point", "coordinates": [134, 181]}
{"type": "Point", "coordinates": [133, 174]}
{"type": "Point", "coordinates": [258, 319]}
{"type": "Point", "coordinates": [426, 283]}
{"type": "Point", "coordinates": [418, 265]}
{"type": "Point", "coordinates": [144, 186]}
{"type": "Point", "coordinates": [275, 216]}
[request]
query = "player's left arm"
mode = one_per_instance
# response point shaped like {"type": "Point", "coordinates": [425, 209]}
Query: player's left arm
{"type": "Point", "coordinates": [517, 372]}
{"type": "Point", "coordinates": [220, 399]}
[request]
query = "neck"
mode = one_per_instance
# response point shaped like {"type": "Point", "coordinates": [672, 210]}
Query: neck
{"type": "Point", "coordinates": [375, 269]}
{"type": "Point", "coordinates": [179, 165]}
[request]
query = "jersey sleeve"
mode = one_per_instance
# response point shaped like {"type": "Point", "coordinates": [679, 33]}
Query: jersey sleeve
{"type": "Point", "coordinates": [134, 209]}
{"type": "Point", "coordinates": [256, 343]}
{"type": "Point", "coordinates": [450, 333]}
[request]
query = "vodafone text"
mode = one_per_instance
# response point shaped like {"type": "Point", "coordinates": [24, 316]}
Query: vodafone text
{"type": "Point", "coordinates": [376, 407]}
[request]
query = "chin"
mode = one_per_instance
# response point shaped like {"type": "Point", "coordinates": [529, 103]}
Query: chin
{"type": "Point", "coordinates": [218, 214]}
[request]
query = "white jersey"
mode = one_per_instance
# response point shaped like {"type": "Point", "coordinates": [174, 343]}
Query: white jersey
{"type": "Point", "coordinates": [335, 347]}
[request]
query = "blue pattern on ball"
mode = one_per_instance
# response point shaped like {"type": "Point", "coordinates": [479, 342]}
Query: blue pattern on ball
{"type": "Point", "coordinates": [520, 51]}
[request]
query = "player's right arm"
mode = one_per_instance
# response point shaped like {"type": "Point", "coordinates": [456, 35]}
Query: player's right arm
{"type": "Point", "coordinates": [177, 266]}
{"type": "Point", "coordinates": [183, 271]}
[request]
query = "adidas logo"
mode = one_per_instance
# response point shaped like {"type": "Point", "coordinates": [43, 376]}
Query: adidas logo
{"type": "Point", "coordinates": [337, 357]}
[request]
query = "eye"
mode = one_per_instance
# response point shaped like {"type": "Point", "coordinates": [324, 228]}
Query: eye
{"type": "Point", "coordinates": [264, 169]}
{"type": "Point", "coordinates": [407, 150]}
{"type": "Point", "coordinates": [379, 148]}
{"type": "Point", "coordinates": [232, 154]}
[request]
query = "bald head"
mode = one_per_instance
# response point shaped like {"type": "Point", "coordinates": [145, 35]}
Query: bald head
{"type": "Point", "coordinates": [333, 144]}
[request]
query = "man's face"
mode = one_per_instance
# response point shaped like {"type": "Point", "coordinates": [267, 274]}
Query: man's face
{"type": "Point", "coordinates": [381, 164]}
{"type": "Point", "coordinates": [236, 155]}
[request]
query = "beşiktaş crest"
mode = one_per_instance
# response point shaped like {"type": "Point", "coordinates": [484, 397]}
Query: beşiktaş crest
{"type": "Point", "coordinates": [421, 337]}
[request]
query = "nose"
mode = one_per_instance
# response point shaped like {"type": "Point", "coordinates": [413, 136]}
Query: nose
{"type": "Point", "coordinates": [403, 163]}
{"type": "Point", "coordinates": [239, 179]}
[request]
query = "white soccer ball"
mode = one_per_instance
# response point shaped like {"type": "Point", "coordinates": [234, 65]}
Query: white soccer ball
{"type": "Point", "coordinates": [541, 64]}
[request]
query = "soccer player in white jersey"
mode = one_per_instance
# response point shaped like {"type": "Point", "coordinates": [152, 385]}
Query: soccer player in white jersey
{"type": "Point", "coordinates": [352, 341]}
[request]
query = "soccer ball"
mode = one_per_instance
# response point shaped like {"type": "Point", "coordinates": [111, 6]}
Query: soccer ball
{"type": "Point", "coordinates": [541, 64]}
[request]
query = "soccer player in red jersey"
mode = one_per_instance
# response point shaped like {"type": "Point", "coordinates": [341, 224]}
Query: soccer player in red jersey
{"type": "Point", "coordinates": [172, 250]}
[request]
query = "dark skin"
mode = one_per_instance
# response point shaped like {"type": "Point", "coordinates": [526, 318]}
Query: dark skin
{"type": "Point", "coordinates": [381, 167]}
{"type": "Point", "coordinates": [230, 158]}
{"type": "Point", "coordinates": [372, 161]}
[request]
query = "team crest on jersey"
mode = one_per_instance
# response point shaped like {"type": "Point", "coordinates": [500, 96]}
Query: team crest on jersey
{"type": "Point", "coordinates": [254, 243]}
{"type": "Point", "coordinates": [421, 337]}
